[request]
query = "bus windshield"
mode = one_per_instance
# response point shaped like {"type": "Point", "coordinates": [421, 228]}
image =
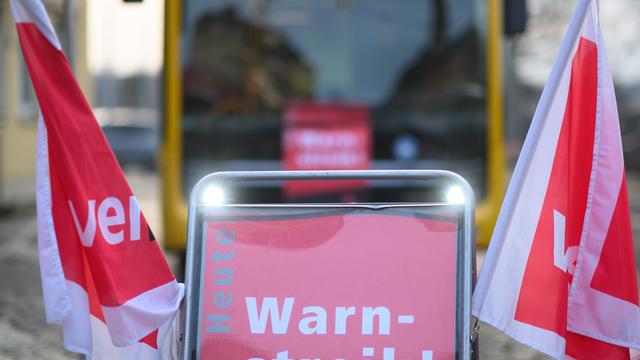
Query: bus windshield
{"type": "Point", "coordinates": [416, 68]}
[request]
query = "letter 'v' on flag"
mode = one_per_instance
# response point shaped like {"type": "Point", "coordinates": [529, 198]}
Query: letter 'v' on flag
{"type": "Point", "coordinates": [560, 273]}
{"type": "Point", "coordinates": [104, 276]}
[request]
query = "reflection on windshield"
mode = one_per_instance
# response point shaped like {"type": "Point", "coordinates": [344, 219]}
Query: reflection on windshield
{"type": "Point", "coordinates": [417, 65]}
{"type": "Point", "coordinates": [240, 68]}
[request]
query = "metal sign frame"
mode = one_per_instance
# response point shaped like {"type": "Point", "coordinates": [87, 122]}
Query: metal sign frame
{"type": "Point", "coordinates": [466, 341]}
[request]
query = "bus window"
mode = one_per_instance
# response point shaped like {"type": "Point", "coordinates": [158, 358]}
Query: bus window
{"type": "Point", "coordinates": [420, 69]}
{"type": "Point", "coordinates": [417, 65]}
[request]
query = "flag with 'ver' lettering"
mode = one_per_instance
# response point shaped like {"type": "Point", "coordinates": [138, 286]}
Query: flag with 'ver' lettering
{"type": "Point", "coordinates": [104, 276]}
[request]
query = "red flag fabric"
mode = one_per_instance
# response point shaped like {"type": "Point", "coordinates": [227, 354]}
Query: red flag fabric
{"type": "Point", "coordinates": [560, 272]}
{"type": "Point", "coordinates": [104, 276]}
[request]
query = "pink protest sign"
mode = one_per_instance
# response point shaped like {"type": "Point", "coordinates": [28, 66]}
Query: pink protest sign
{"type": "Point", "coordinates": [348, 284]}
{"type": "Point", "coordinates": [325, 136]}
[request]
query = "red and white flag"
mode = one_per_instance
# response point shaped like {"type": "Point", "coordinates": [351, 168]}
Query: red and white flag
{"type": "Point", "coordinates": [104, 276]}
{"type": "Point", "coordinates": [560, 272]}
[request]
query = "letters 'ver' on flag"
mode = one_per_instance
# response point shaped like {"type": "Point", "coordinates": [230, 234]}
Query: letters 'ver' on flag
{"type": "Point", "coordinates": [104, 278]}
{"type": "Point", "coordinates": [560, 272]}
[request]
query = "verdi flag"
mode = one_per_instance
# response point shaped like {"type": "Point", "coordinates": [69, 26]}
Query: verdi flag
{"type": "Point", "coordinates": [560, 272]}
{"type": "Point", "coordinates": [104, 276]}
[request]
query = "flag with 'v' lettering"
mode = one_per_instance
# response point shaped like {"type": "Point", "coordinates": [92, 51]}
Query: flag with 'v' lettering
{"type": "Point", "coordinates": [560, 271]}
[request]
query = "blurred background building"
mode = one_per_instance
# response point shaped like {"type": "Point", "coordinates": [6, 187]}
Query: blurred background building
{"type": "Point", "coordinates": [18, 105]}
{"type": "Point", "coordinates": [115, 50]}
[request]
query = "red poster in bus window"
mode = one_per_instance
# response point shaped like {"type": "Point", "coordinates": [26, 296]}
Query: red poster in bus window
{"type": "Point", "coordinates": [341, 285]}
{"type": "Point", "coordinates": [325, 136]}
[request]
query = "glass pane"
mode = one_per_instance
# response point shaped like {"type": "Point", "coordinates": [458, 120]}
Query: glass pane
{"type": "Point", "coordinates": [263, 293]}
{"type": "Point", "coordinates": [415, 68]}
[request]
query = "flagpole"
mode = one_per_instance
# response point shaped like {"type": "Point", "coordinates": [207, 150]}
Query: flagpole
{"type": "Point", "coordinates": [531, 140]}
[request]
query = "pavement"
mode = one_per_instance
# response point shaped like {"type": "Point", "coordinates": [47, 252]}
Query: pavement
{"type": "Point", "coordinates": [24, 333]}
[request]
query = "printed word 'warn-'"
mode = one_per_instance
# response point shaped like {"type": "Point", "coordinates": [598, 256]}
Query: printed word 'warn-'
{"type": "Point", "coordinates": [315, 320]}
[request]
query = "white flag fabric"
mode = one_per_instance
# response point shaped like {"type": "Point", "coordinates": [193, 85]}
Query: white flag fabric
{"type": "Point", "coordinates": [104, 277]}
{"type": "Point", "coordinates": [560, 273]}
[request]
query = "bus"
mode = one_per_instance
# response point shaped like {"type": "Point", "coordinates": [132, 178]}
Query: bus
{"type": "Point", "coordinates": [419, 82]}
